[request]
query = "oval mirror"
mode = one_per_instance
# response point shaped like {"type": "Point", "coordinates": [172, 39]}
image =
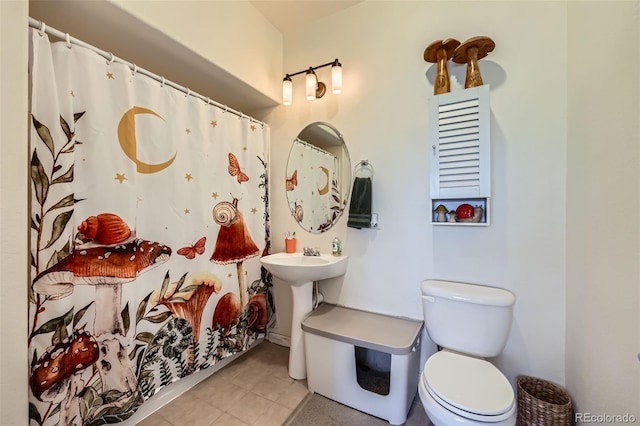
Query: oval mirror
{"type": "Point", "coordinates": [318, 177]}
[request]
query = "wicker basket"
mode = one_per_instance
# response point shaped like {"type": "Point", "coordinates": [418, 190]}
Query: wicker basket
{"type": "Point", "coordinates": [542, 403]}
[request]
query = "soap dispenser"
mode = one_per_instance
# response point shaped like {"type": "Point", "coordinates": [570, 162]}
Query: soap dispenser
{"type": "Point", "coordinates": [336, 246]}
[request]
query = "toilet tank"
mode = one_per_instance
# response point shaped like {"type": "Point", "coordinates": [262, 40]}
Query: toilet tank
{"type": "Point", "coordinates": [468, 318]}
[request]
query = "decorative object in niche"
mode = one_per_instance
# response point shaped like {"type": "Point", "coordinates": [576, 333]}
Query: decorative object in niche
{"type": "Point", "coordinates": [318, 177]}
{"type": "Point", "coordinates": [474, 212]}
{"type": "Point", "coordinates": [440, 51]}
{"type": "Point", "coordinates": [441, 212]}
{"type": "Point", "coordinates": [314, 89]}
{"type": "Point", "coordinates": [470, 52]}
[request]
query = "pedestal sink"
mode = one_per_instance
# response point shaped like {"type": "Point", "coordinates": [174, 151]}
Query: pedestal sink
{"type": "Point", "coordinates": [300, 272]}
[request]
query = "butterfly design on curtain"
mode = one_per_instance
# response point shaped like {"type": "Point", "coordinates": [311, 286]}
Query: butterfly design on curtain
{"type": "Point", "coordinates": [190, 251]}
{"type": "Point", "coordinates": [234, 169]}
{"type": "Point", "coordinates": [292, 182]}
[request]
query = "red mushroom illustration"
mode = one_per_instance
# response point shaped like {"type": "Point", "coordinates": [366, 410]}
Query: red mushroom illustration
{"type": "Point", "coordinates": [56, 376]}
{"type": "Point", "coordinates": [227, 312]}
{"type": "Point", "coordinates": [107, 267]}
{"type": "Point", "coordinates": [234, 244]}
{"type": "Point", "coordinates": [187, 298]}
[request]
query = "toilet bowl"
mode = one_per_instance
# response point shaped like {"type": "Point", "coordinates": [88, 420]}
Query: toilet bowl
{"type": "Point", "coordinates": [457, 385]}
{"type": "Point", "coordinates": [458, 389]}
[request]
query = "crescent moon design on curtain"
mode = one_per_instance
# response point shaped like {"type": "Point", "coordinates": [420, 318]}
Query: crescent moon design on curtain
{"type": "Point", "coordinates": [128, 142]}
{"type": "Point", "coordinates": [325, 189]}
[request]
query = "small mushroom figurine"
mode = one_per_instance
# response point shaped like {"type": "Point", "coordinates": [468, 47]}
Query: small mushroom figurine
{"type": "Point", "coordinates": [440, 51]}
{"type": "Point", "coordinates": [453, 216]}
{"type": "Point", "coordinates": [469, 53]}
{"type": "Point", "coordinates": [441, 212]}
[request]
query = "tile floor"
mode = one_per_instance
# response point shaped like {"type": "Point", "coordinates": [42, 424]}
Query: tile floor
{"type": "Point", "coordinates": [253, 390]}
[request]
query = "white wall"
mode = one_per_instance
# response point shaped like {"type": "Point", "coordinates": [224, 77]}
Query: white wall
{"type": "Point", "coordinates": [14, 161]}
{"type": "Point", "coordinates": [383, 114]}
{"type": "Point", "coordinates": [603, 177]}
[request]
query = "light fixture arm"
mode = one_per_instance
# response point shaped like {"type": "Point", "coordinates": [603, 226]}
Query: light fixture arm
{"type": "Point", "coordinates": [306, 70]}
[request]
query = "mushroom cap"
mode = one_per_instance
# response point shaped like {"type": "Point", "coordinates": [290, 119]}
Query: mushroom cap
{"type": "Point", "coordinates": [93, 264]}
{"type": "Point", "coordinates": [482, 43]}
{"type": "Point", "coordinates": [227, 312]}
{"type": "Point", "coordinates": [449, 45]}
{"type": "Point", "coordinates": [441, 209]}
{"type": "Point", "coordinates": [53, 369]}
{"type": "Point", "coordinates": [234, 243]}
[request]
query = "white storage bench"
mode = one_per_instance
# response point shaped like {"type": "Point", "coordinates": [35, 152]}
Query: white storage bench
{"type": "Point", "coordinates": [368, 361]}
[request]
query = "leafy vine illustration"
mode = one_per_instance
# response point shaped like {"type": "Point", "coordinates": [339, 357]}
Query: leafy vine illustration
{"type": "Point", "coordinates": [43, 180]}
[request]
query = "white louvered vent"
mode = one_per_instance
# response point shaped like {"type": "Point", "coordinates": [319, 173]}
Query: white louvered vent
{"type": "Point", "coordinates": [460, 143]}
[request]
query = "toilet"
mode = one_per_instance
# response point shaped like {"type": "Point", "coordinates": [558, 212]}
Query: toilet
{"type": "Point", "coordinates": [470, 323]}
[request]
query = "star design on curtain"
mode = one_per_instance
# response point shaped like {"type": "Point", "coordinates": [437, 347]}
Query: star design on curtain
{"type": "Point", "coordinates": [214, 123]}
{"type": "Point", "coordinates": [120, 177]}
{"type": "Point", "coordinates": [214, 195]}
{"type": "Point", "coordinates": [187, 130]}
{"type": "Point", "coordinates": [254, 210]}
{"type": "Point", "coordinates": [110, 76]}
{"type": "Point", "coordinates": [253, 127]}
{"type": "Point", "coordinates": [187, 211]}
{"type": "Point", "coordinates": [188, 177]}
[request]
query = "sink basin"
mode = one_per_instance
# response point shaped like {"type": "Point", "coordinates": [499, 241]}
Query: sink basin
{"type": "Point", "coordinates": [298, 269]}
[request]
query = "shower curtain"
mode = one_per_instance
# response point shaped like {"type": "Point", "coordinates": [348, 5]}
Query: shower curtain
{"type": "Point", "coordinates": [312, 197]}
{"type": "Point", "coordinates": [149, 213]}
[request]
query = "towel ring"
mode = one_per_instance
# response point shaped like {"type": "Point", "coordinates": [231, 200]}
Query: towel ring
{"type": "Point", "coordinates": [363, 166]}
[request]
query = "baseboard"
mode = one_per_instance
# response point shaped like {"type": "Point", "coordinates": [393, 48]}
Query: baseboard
{"type": "Point", "coordinates": [279, 339]}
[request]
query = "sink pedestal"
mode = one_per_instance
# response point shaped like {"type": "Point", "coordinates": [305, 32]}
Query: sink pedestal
{"type": "Point", "coordinates": [300, 272]}
{"type": "Point", "coordinates": [302, 306]}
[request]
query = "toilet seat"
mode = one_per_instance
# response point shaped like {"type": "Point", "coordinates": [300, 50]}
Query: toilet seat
{"type": "Point", "coordinates": [470, 387]}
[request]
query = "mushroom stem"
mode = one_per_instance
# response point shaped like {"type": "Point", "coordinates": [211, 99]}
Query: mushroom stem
{"type": "Point", "coordinates": [442, 84]}
{"type": "Point", "coordinates": [114, 366]}
{"type": "Point", "coordinates": [108, 318]}
{"type": "Point", "coordinates": [70, 406]}
{"type": "Point", "coordinates": [473, 79]}
{"type": "Point", "coordinates": [243, 296]}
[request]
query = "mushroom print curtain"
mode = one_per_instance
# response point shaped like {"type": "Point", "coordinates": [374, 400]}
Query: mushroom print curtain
{"type": "Point", "coordinates": [312, 185]}
{"type": "Point", "coordinates": [148, 218]}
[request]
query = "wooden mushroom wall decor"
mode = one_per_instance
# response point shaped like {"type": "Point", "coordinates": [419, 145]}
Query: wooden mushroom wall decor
{"type": "Point", "coordinates": [468, 52]}
{"type": "Point", "coordinates": [123, 300]}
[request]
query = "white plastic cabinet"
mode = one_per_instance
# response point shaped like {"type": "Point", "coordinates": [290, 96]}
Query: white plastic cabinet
{"type": "Point", "coordinates": [460, 149]}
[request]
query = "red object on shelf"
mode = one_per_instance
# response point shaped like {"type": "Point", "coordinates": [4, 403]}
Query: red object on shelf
{"type": "Point", "coordinates": [464, 211]}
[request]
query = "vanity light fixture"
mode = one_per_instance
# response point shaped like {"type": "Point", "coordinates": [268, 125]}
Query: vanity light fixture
{"type": "Point", "coordinates": [314, 89]}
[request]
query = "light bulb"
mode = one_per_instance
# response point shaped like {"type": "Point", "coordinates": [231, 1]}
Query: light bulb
{"type": "Point", "coordinates": [312, 82]}
{"type": "Point", "coordinates": [287, 91]}
{"type": "Point", "coordinates": [336, 78]}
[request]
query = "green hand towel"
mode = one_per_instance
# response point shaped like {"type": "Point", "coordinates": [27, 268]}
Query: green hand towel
{"type": "Point", "coordinates": [360, 207]}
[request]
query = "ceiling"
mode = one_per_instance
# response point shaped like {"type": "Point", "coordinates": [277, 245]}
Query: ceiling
{"type": "Point", "coordinates": [292, 14]}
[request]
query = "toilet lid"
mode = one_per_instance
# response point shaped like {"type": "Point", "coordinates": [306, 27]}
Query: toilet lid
{"type": "Point", "coordinates": [470, 384]}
